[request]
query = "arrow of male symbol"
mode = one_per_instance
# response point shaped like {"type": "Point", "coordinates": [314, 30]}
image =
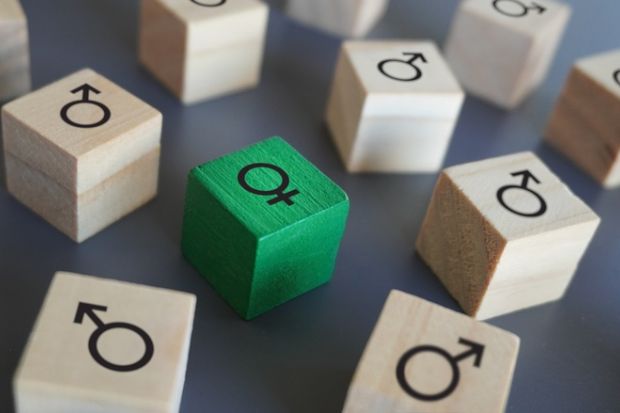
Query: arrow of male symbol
{"type": "Point", "coordinates": [416, 56]}
{"type": "Point", "coordinates": [85, 89]}
{"type": "Point", "coordinates": [527, 175]}
{"type": "Point", "coordinates": [87, 309]}
{"type": "Point", "coordinates": [475, 349]}
{"type": "Point", "coordinates": [538, 7]}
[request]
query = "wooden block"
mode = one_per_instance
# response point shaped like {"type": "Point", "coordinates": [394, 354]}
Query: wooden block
{"type": "Point", "coordinates": [504, 234]}
{"type": "Point", "coordinates": [585, 125]}
{"type": "Point", "coordinates": [105, 346]}
{"type": "Point", "coordinates": [201, 49]}
{"type": "Point", "coordinates": [262, 225]}
{"type": "Point", "coordinates": [501, 50]}
{"type": "Point", "coordinates": [393, 106]}
{"type": "Point", "coordinates": [81, 152]}
{"type": "Point", "coordinates": [424, 358]}
{"type": "Point", "coordinates": [345, 18]}
{"type": "Point", "coordinates": [83, 215]}
{"type": "Point", "coordinates": [14, 54]}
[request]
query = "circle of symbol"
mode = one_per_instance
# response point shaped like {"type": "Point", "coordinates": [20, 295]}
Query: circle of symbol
{"type": "Point", "coordinates": [524, 11]}
{"type": "Point", "coordinates": [402, 379]}
{"type": "Point", "coordinates": [143, 361]}
{"type": "Point", "coordinates": [541, 200]}
{"type": "Point", "coordinates": [279, 191]}
{"type": "Point", "coordinates": [64, 114]}
{"type": "Point", "coordinates": [208, 5]}
{"type": "Point", "coordinates": [416, 74]}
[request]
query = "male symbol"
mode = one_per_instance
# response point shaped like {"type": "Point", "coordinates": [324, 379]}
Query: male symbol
{"type": "Point", "coordinates": [86, 89]}
{"type": "Point", "coordinates": [475, 349]}
{"type": "Point", "coordinates": [417, 71]}
{"type": "Point", "coordinates": [89, 310]}
{"type": "Point", "coordinates": [527, 175]}
{"type": "Point", "coordinates": [524, 9]}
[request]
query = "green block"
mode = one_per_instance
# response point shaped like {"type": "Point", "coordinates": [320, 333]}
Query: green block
{"type": "Point", "coordinates": [263, 225]}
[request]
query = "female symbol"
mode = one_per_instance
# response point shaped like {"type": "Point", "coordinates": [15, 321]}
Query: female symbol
{"type": "Point", "coordinates": [89, 310]}
{"type": "Point", "coordinates": [527, 175]}
{"type": "Point", "coordinates": [200, 3]}
{"type": "Point", "coordinates": [85, 89]}
{"type": "Point", "coordinates": [279, 191]}
{"type": "Point", "coordinates": [475, 349]}
{"type": "Point", "coordinates": [416, 74]}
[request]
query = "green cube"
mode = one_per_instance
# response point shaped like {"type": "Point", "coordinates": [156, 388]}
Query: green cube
{"type": "Point", "coordinates": [263, 225]}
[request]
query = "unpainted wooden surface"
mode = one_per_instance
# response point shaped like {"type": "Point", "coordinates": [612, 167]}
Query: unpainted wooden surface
{"type": "Point", "coordinates": [59, 373]}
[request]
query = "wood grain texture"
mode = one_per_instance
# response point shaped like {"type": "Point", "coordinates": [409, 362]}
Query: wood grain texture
{"type": "Point", "coordinates": [79, 158]}
{"type": "Point", "coordinates": [14, 51]}
{"type": "Point", "coordinates": [345, 18]}
{"type": "Point", "coordinates": [201, 52]}
{"type": "Point", "coordinates": [82, 216]}
{"type": "Point", "coordinates": [255, 254]}
{"type": "Point", "coordinates": [496, 257]}
{"type": "Point", "coordinates": [81, 179]}
{"type": "Point", "coordinates": [58, 373]}
{"type": "Point", "coordinates": [408, 323]}
{"type": "Point", "coordinates": [389, 113]}
{"type": "Point", "coordinates": [501, 51]}
{"type": "Point", "coordinates": [585, 124]}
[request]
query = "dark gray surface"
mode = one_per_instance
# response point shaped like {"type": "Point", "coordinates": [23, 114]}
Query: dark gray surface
{"type": "Point", "coordinates": [300, 357]}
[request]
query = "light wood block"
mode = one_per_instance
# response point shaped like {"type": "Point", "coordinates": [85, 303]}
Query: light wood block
{"type": "Point", "coordinates": [204, 48]}
{"type": "Point", "coordinates": [585, 125]}
{"type": "Point", "coordinates": [102, 346]}
{"type": "Point", "coordinates": [424, 358]}
{"type": "Point", "coordinates": [501, 50]}
{"type": "Point", "coordinates": [14, 53]}
{"type": "Point", "coordinates": [504, 234]}
{"type": "Point", "coordinates": [393, 106]}
{"type": "Point", "coordinates": [81, 164]}
{"type": "Point", "coordinates": [345, 18]}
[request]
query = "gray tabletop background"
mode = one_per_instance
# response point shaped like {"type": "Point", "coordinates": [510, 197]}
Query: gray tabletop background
{"type": "Point", "coordinates": [300, 357]}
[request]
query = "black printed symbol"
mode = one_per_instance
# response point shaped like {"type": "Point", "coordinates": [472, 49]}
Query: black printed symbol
{"type": "Point", "coordinates": [527, 175]}
{"type": "Point", "coordinates": [617, 77]}
{"type": "Point", "coordinates": [475, 349]}
{"type": "Point", "coordinates": [517, 8]}
{"type": "Point", "coordinates": [86, 89]}
{"type": "Point", "coordinates": [279, 191]}
{"type": "Point", "coordinates": [416, 74]}
{"type": "Point", "coordinates": [207, 4]}
{"type": "Point", "coordinates": [86, 309]}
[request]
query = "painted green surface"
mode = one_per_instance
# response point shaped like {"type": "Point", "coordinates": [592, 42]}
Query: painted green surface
{"type": "Point", "coordinates": [258, 254]}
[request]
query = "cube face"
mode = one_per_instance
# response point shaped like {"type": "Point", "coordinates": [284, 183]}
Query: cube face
{"type": "Point", "coordinates": [81, 145]}
{"type": "Point", "coordinates": [584, 125]}
{"type": "Point", "coordinates": [105, 346]}
{"type": "Point", "coordinates": [605, 69]}
{"type": "Point", "coordinates": [203, 49]}
{"type": "Point", "coordinates": [263, 225]}
{"type": "Point", "coordinates": [14, 54]}
{"type": "Point", "coordinates": [483, 30]}
{"type": "Point", "coordinates": [81, 216]}
{"type": "Point", "coordinates": [393, 106]}
{"type": "Point", "coordinates": [69, 128]}
{"type": "Point", "coordinates": [347, 18]}
{"type": "Point", "coordinates": [425, 358]}
{"type": "Point", "coordinates": [520, 187]}
{"type": "Point", "coordinates": [504, 234]}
